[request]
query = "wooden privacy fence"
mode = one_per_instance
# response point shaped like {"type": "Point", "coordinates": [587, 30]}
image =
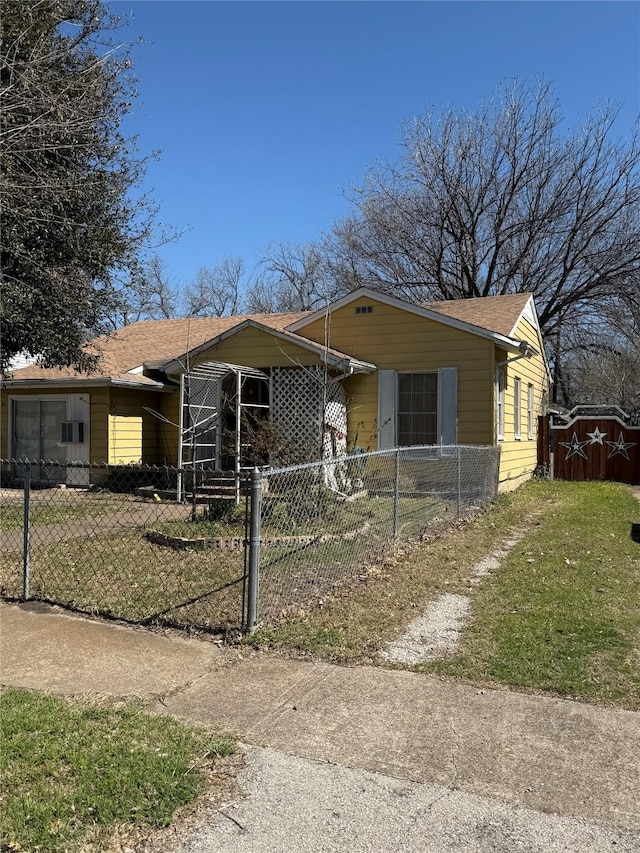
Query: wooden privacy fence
{"type": "Point", "coordinates": [590, 443]}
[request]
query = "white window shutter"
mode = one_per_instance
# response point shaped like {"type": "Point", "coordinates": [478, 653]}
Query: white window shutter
{"type": "Point", "coordinates": [448, 405]}
{"type": "Point", "coordinates": [387, 383]}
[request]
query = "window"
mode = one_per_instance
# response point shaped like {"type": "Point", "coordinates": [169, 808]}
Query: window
{"type": "Point", "coordinates": [517, 404]}
{"type": "Point", "coordinates": [530, 412]}
{"type": "Point", "coordinates": [500, 404]}
{"type": "Point", "coordinates": [37, 429]}
{"type": "Point", "coordinates": [417, 408]}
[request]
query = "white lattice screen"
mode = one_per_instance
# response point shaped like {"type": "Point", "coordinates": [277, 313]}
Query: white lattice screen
{"type": "Point", "coordinates": [296, 404]}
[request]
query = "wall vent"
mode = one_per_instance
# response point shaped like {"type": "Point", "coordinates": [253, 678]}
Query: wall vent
{"type": "Point", "coordinates": [364, 309]}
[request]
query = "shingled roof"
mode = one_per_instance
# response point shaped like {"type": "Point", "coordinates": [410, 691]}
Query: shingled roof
{"type": "Point", "coordinates": [498, 314]}
{"type": "Point", "coordinates": [152, 340]}
{"type": "Point", "coordinates": [130, 347]}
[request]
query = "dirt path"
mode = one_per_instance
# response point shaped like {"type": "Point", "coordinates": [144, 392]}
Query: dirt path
{"type": "Point", "coordinates": [435, 634]}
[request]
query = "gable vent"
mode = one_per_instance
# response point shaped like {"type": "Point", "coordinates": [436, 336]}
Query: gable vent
{"type": "Point", "coordinates": [364, 309]}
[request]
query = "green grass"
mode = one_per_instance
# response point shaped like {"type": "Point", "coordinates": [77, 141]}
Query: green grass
{"type": "Point", "coordinates": [73, 774]}
{"type": "Point", "coordinates": [561, 614]}
{"type": "Point", "coordinates": [12, 515]}
{"type": "Point", "coordinates": [123, 575]}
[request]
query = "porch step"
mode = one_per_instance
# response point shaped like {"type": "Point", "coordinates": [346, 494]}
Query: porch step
{"type": "Point", "coordinates": [213, 489]}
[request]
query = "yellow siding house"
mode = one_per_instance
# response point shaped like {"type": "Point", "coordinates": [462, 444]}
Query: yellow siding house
{"type": "Point", "coordinates": [369, 370]}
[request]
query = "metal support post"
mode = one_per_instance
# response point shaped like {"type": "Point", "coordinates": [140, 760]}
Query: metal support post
{"type": "Point", "coordinates": [396, 489]}
{"type": "Point", "coordinates": [27, 532]}
{"type": "Point", "coordinates": [459, 486]}
{"type": "Point", "coordinates": [254, 551]}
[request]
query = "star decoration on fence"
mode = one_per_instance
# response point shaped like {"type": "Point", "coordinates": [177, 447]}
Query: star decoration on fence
{"type": "Point", "coordinates": [575, 446]}
{"type": "Point", "coordinates": [619, 447]}
{"type": "Point", "coordinates": [596, 436]}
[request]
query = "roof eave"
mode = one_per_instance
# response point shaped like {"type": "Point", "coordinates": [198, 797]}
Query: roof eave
{"type": "Point", "coordinates": [502, 340]}
{"type": "Point", "coordinates": [176, 366]}
{"type": "Point", "coordinates": [71, 382]}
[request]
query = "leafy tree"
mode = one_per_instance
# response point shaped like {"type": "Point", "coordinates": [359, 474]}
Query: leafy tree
{"type": "Point", "coordinates": [70, 225]}
{"type": "Point", "coordinates": [497, 201]}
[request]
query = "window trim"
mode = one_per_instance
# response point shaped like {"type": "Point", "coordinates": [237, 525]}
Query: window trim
{"type": "Point", "coordinates": [446, 411]}
{"type": "Point", "coordinates": [517, 408]}
{"type": "Point", "coordinates": [530, 411]}
{"type": "Point", "coordinates": [500, 395]}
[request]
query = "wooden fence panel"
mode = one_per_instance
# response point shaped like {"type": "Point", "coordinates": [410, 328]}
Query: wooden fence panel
{"type": "Point", "coordinates": [596, 449]}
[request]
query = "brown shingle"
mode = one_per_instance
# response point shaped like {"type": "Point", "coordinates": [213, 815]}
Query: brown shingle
{"type": "Point", "coordinates": [494, 313]}
{"type": "Point", "coordinates": [153, 340]}
{"type": "Point", "coordinates": [163, 340]}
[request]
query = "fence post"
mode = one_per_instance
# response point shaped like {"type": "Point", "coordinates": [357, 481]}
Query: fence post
{"type": "Point", "coordinates": [459, 498]}
{"type": "Point", "coordinates": [254, 551]}
{"type": "Point", "coordinates": [26, 553]}
{"type": "Point", "coordinates": [396, 489]}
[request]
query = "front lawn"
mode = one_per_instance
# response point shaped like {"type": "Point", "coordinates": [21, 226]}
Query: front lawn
{"type": "Point", "coordinates": [563, 612]}
{"type": "Point", "coordinates": [560, 614]}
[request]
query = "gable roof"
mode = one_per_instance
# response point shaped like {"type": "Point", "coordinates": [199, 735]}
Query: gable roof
{"type": "Point", "coordinates": [164, 344]}
{"type": "Point", "coordinates": [128, 348]}
{"type": "Point", "coordinates": [494, 317]}
{"type": "Point", "coordinates": [499, 314]}
{"type": "Point", "coordinates": [332, 356]}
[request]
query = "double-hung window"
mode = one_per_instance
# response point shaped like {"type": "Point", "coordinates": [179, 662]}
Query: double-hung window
{"type": "Point", "coordinates": [417, 408]}
{"type": "Point", "coordinates": [530, 412]}
{"type": "Point", "coordinates": [517, 406]}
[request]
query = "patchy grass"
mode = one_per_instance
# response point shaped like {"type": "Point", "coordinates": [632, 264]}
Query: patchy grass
{"type": "Point", "coordinates": [561, 614]}
{"type": "Point", "coordinates": [365, 612]}
{"type": "Point", "coordinates": [55, 512]}
{"type": "Point", "coordinates": [125, 576]}
{"type": "Point", "coordinates": [75, 774]}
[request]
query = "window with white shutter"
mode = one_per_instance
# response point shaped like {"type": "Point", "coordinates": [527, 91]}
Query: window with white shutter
{"type": "Point", "coordinates": [417, 408]}
{"type": "Point", "coordinates": [387, 383]}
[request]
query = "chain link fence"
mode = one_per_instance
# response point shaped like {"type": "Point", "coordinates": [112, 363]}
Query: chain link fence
{"type": "Point", "coordinates": [326, 523]}
{"type": "Point", "coordinates": [121, 545]}
{"type": "Point", "coordinates": [115, 541]}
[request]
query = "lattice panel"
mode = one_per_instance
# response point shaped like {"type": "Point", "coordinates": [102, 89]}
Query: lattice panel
{"type": "Point", "coordinates": [200, 418]}
{"type": "Point", "coordinates": [296, 405]}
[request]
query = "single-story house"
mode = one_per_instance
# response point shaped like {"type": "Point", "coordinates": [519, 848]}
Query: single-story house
{"type": "Point", "coordinates": [369, 370]}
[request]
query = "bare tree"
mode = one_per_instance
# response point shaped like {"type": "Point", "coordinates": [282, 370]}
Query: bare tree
{"type": "Point", "coordinates": [149, 294]}
{"type": "Point", "coordinates": [602, 363]}
{"type": "Point", "coordinates": [498, 201]}
{"type": "Point", "coordinates": [290, 277]}
{"type": "Point", "coordinates": [215, 292]}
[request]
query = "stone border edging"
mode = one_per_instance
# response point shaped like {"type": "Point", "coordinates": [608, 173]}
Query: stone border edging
{"type": "Point", "coordinates": [234, 543]}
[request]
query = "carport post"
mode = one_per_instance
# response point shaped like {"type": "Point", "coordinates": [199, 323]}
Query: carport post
{"type": "Point", "coordinates": [254, 551]}
{"type": "Point", "coordinates": [27, 532]}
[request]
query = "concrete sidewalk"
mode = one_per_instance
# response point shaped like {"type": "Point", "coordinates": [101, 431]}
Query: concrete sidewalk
{"type": "Point", "coordinates": [534, 752]}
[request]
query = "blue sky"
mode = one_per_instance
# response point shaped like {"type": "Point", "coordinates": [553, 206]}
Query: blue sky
{"type": "Point", "coordinates": [266, 112]}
